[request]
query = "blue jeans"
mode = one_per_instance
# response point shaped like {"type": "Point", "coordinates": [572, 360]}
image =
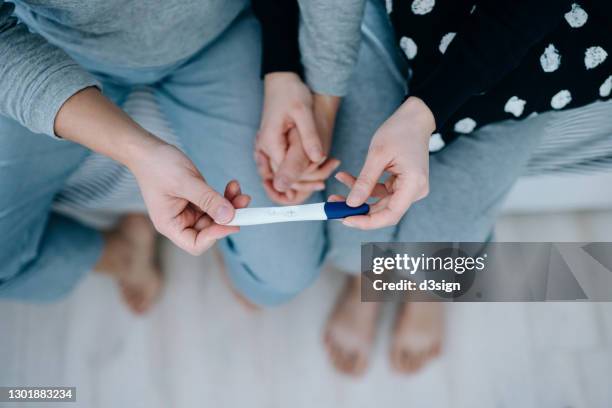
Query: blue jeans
{"type": "Point", "coordinates": [213, 103]}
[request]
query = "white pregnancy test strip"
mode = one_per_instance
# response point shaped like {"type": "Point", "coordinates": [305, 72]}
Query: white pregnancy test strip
{"type": "Point", "coordinates": [306, 212]}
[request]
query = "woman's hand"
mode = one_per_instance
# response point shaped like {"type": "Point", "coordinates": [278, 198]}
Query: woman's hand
{"type": "Point", "coordinates": [306, 177]}
{"type": "Point", "coordinates": [287, 105]}
{"type": "Point", "coordinates": [399, 147]}
{"type": "Point", "coordinates": [292, 117]}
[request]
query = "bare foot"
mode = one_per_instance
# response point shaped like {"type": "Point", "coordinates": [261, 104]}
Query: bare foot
{"type": "Point", "coordinates": [419, 328]}
{"type": "Point", "coordinates": [351, 329]}
{"type": "Point", "coordinates": [243, 301]}
{"type": "Point", "coordinates": [129, 257]}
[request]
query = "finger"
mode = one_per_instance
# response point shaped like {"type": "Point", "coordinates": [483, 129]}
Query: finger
{"type": "Point", "coordinates": [308, 186]}
{"type": "Point", "coordinates": [372, 220]}
{"type": "Point", "coordinates": [308, 134]}
{"type": "Point", "coordinates": [277, 197]}
{"type": "Point", "coordinates": [233, 193]}
{"type": "Point", "coordinates": [290, 194]}
{"type": "Point", "coordinates": [272, 139]}
{"type": "Point", "coordinates": [232, 189]}
{"type": "Point", "coordinates": [241, 201]}
{"type": "Point", "coordinates": [196, 242]}
{"type": "Point", "coordinates": [368, 178]}
{"type": "Point", "coordinates": [345, 178]}
{"type": "Point", "coordinates": [379, 205]}
{"type": "Point", "coordinates": [381, 219]}
{"type": "Point", "coordinates": [262, 161]}
{"type": "Point", "coordinates": [389, 211]}
{"type": "Point", "coordinates": [189, 215]}
{"type": "Point", "coordinates": [293, 165]}
{"type": "Point", "coordinates": [208, 200]}
{"type": "Point", "coordinates": [334, 198]}
{"type": "Point", "coordinates": [203, 222]}
{"type": "Point", "coordinates": [380, 189]}
{"type": "Point", "coordinates": [207, 237]}
{"type": "Point", "coordinates": [406, 190]}
{"type": "Point", "coordinates": [321, 173]}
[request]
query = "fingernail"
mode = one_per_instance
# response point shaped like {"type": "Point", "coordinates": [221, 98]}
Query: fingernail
{"type": "Point", "coordinates": [353, 199]}
{"type": "Point", "coordinates": [320, 187]}
{"type": "Point", "coordinates": [347, 223]}
{"type": "Point", "coordinates": [317, 153]}
{"type": "Point", "coordinates": [223, 214]}
{"type": "Point", "coordinates": [281, 183]}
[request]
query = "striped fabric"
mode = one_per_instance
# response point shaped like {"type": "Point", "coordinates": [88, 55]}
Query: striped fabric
{"type": "Point", "coordinates": [578, 141]}
{"type": "Point", "coordinates": [102, 189]}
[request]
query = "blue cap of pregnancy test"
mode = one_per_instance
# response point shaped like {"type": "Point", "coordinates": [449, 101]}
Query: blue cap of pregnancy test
{"type": "Point", "coordinates": [341, 209]}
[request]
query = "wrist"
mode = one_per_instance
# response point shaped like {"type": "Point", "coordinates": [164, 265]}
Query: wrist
{"type": "Point", "coordinates": [419, 114]}
{"type": "Point", "coordinates": [282, 76]}
{"type": "Point", "coordinates": [325, 108]}
{"type": "Point", "coordinates": [137, 147]}
{"type": "Point", "coordinates": [327, 105]}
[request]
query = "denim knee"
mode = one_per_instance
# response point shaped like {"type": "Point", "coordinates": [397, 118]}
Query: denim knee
{"type": "Point", "coordinates": [267, 280]}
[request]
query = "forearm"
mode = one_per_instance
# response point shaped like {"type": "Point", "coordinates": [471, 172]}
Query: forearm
{"type": "Point", "coordinates": [279, 35]}
{"type": "Point", "coordinates": [329, 42]}
{"type": "Point", "coordinates": [90, 119]}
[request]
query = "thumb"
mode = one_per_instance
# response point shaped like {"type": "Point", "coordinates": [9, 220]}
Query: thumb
{"type": "Point", "coordinates": [209, 201]}
{"type": "Point", "coordinates": [294, 164]}
{"type": "Point", "coordinates": [368, 178]}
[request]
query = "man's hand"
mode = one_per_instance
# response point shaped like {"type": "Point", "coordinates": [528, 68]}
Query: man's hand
{"type": "Point", "coordinates": [399, 147]}
{"type": "Point", "coordinates": [180, 203]}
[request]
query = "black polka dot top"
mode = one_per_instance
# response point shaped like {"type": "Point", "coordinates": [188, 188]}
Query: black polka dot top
{"type": "Point", "coordinates": [478, 62]}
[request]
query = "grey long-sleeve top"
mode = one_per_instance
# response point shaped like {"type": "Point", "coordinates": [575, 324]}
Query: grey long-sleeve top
{"type": "Point", "coordinates": [37, 37]}
{"type": "Point", "coordinates": [329, 42]}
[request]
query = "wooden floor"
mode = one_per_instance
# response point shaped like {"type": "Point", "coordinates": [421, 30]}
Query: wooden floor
{"type": "Point", "coordinates": [199, 348]}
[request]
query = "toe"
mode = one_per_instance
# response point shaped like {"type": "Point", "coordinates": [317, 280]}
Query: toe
{"type": "Point", "coordinates": [350, 357]}
{"type": "Point", "coordinates": [361, 364]}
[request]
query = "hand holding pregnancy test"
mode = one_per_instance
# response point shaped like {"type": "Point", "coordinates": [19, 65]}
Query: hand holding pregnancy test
{"type": "Point", "coordinates": [306, 212]}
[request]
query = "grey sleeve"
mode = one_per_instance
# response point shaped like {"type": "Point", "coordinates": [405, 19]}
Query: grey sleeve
{"type": "Point", "coordinates": [36, 78]}
{"type": "Point", "coordinates": [329, 42]}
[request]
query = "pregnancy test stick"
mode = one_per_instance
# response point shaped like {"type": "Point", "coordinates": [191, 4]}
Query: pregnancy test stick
{"type": "Point", "coordinates": [306, 212]}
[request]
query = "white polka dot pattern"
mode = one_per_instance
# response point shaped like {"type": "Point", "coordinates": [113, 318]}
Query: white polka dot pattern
{"type": "Point", "coordinates": [445, 42]}
{"type": "Point", "coordinates": [436, 142]}
{"type": "Point", "coordinates": [421, 7]}
{"type": "Point", "coordinates": [594, 56]}
{"type": "Point", "coordinates": [555, 87]}
{"type": "Point", "coordinates": [606, 88]}
{"type": "Point", "coordinates": [550, 59]}
{"type": "Point", "coordinates": [409, 47]}
{"type": "Point", "coordinates": [515, 106]}
{"type": "Point", "coordinates": [465, 125]}
{"type": "Point", "coordinates": [576, 17]}
{"type": "Point", "coordinates": [561, 99]}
